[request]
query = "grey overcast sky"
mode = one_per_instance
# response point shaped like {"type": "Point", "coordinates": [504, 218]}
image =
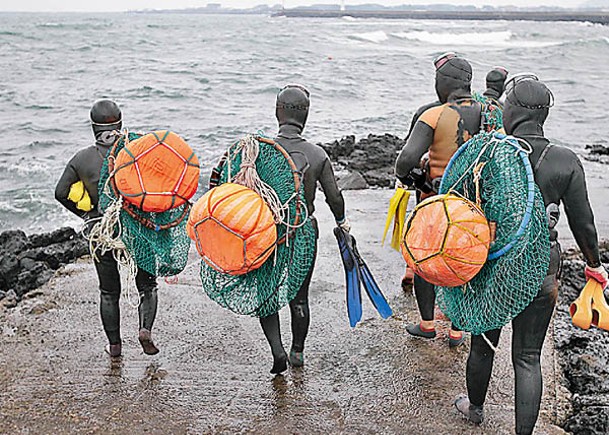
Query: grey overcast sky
{"type": "Point", "coordinates": [122, 5]}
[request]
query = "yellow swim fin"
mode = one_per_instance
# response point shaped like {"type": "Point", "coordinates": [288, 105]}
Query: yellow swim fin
{"type": "Point", "coordinates": [581, 308]}
{"type": "Point", "coordinates": [396, 214]}
{"type": "Point", "coordinates": [79, 195]}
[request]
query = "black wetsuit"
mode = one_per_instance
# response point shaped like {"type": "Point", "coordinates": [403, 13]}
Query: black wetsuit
{"type": "Point", "coordinates": [318, 170]}
{"type": "Point", "coordinates": [421, 138]}
{"type": "Point", "coordinates": [492, 96]}
{"type": "Point", "coordinates": [560, 177]}
{"type": "Point", "coordinates": [85, 166]}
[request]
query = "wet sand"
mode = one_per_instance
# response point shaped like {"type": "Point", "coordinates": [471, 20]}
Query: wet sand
{"type": "Point", "coordinates": [212, 373]}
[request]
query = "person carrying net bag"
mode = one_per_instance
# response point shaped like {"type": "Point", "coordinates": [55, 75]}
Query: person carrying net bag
{"type": "Point", "coordinates": [259, 260]}
{"type": "Point", "coordinates": [560, 177]}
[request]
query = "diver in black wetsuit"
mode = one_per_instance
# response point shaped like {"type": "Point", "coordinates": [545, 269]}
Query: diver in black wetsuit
{"type": "Point", "coordinates": [292, 110]}
{"type": "Point", "coordinates": [495, 81]}
{"type": "Point", "coordinates": [440, 130]}
{"type": "Point", "coordinates": [560, 177]}
{"type": "Point", "coordinates": [85, 166]}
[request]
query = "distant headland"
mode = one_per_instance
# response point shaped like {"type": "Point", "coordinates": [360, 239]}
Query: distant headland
{"type": "Point", "coordinates": [599, 17]}
{"type": "Point", "coordinates": [594, 11]}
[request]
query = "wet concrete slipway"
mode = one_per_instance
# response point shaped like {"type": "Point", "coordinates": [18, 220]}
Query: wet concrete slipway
{"type": "Point", "coordinates": [212, 375]}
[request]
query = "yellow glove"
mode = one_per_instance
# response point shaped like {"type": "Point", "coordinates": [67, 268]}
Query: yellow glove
{"type": "Point", "coordinates": [79, 195]}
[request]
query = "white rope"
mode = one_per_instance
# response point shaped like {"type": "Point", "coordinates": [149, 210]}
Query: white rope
{"type": "Point", "coordinates": [493, 348]}
{"type": "Point", "coordinates": [248, 177]}
{"type": "Point", "coordinates": [106, 236]}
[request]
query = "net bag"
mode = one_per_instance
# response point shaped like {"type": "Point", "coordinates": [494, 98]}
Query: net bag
{"type": "Point", "coordinates": [446, 240]}
{"type": "Point", "coordinates": [492, 114]}
{"type": "Point", "coordinates": [233, 229]}
{"type": "Point", "coordinates": [493, 170]}
{"type": "Point", "coordinates": [265, 290]}
{"type": "Point", "coordinates": [156, 241]}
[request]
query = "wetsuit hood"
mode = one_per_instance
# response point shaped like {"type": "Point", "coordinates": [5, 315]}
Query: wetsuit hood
{"type": "Point", "coordinates": [292, 107]}
{"type": "Point", "coordinates": [106, 121]}
{"type": "Point", "coordinates": [454, 75]}
{"type": "Point", "coordinates": [495, 81]}
{"type": "Point", "coordinates": [527, 105]}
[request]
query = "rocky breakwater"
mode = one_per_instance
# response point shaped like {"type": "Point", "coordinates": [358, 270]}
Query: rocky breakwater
{"type": "Point", "coordinates": [28, 262]}
{"type": "Point", "coordinates": [597, 153]}
{"type": "Point", "coordinates": [368, 162]}
{"type": "Point", "coordinates": [583, 354]}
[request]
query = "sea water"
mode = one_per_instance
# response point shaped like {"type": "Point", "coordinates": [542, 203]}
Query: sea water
{"type": "Point", "coordinates": [213, 79]}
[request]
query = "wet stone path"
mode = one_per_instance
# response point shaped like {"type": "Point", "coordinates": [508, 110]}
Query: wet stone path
{"type": "Point", "coordinates": [212, 375]}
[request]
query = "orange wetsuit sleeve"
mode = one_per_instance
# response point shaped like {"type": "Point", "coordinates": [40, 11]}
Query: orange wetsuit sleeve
{"type": "Point", "coordinates": [431, 116]}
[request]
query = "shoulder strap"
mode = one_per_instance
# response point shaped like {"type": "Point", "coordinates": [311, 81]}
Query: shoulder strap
{"type": "Point", "coordinates": [483, 117]}
{"type": "Point", "coordinates": [542, 156]}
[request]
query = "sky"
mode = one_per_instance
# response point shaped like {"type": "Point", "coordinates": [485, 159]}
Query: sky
{"type": "Point", "coordinates": [122, 5]}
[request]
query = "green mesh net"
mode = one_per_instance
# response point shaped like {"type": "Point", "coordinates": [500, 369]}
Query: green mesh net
{"type": "Point", "coordinates": [156, 249]}
{"type": "Point", "coordinates": [492, 113]}
{"type": "Point", "coordinates": [494, 171]}
{"type": "Point", "coordinates": [264, 291]}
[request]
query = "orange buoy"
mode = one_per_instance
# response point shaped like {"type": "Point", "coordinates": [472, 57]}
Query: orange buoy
{"type": "Point", "coordinates": [157, 172]}
{"type": "Point", "coordinates": [233, 229]}
{"type": "Point", "coordinates": [446, 240]}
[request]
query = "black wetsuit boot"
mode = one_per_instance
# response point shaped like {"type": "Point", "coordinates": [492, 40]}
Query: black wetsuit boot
{"type": "Point", "coordinates": [110, 291]}
{"type": "Point", "coordinates": [147, 288]}
{"type": "Point", "coordinates": [529, 332]}
{"type": "Point", "coordinates": [272, 332]}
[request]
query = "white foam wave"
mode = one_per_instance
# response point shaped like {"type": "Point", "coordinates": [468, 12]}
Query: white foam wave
{"type": "Point", "coordinates": [376, 37]}
{"type": "Point", "coordinates": [473, 38]}
{"type": "Point", "coordinates": [348, 18]}
{"type": "Point", "coordinates": [27, 168]}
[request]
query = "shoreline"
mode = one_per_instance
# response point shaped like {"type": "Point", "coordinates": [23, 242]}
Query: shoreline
{"type": "Point", "coordinates": [597, 17]}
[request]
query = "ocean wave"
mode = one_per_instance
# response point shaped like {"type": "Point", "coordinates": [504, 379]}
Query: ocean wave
{"type": "Point", "coordinates": [9, 33]}
{"type": "Point", "coordinates": [26, 168]}
{"type": "Point", "coordinates": [43, 144]}
{"type": "Point", "coordinates": [51, 25]}
{"type": "Point", "coordinates": [148, 91]}
{"type": "Point", "coordinates": [473, 38]}
{"type": "Point", "coordinates": [376, 37]}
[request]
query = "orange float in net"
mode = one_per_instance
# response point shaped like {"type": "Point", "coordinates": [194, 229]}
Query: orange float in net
{"type": "Point", "coordinates": [157, 172]}
{"type": "Point", "coordinates": [233, 229]}
{"type": "Point", "coordinates": [446, 240]}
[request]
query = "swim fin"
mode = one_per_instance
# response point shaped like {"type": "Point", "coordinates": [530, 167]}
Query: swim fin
{"type": "Point", "coordinates": [396, 213]}
{"type": "Point", "coordinates": [372, 289]}
{"type": "Point", "coordinates": [354, 294]}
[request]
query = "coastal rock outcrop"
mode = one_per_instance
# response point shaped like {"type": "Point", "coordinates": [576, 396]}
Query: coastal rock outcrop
{"type": "Point", "coordinates": [597, 153]}
{"type": "Point", "coordinates": [583, 354]}
{"type": "Point", "coordinates": [28, 262]}
{"type": "Point", "coordinates": [372, 157]}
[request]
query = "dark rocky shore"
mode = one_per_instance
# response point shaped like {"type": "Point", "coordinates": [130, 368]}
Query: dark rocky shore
{"type": "Point", "coordinates": [28, 262]}
{"type": "Point", "coordinates": [366, 163]}
{"type": "Point", "coordinates": [583, 355]}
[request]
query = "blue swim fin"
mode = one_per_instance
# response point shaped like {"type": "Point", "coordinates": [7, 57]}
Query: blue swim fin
{"type": "Point", "coordinates": [374, 292]}
{"type": "Point", "coordinates": [354, 293]}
